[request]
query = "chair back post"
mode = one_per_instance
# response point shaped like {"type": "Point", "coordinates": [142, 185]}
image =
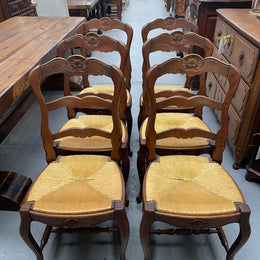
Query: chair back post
{"type": "Point", "coordinates": [192, 65]}
{"type": "Point", "coordinates": [79, 66]}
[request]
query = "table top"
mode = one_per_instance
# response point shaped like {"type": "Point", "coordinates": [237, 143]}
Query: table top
{"type": "Point", "coordinates": [24, 43]}
{"type": "Point", "coordinates": [82, 4]}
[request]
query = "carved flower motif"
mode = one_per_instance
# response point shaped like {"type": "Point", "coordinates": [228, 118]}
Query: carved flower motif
{"type": "Point", "coordinates": [198, 223]}
{"type": "Point", "coordinates": [192, 63]}
{"type": "Point", "coordinates": [76, 64]}
{"type": "Point", "coordinates": [169, 22]}
{"type": "Point", "coordinates": [92, 40]}
{"type": "Point", "coordinates": [177, 36]}
{"type": "Point", "coordinates": [106, 22]}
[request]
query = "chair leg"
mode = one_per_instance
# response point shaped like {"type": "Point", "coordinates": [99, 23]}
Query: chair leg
{"type": "Point", "coordinates": [125, 164]}
{"type": "Point", "coordinates": [25, 232]}
{"type": "Point", "coordinates": [123, 225]}
{"type": "Point", "coordinates": [147, 221]}
{"type": "Point", "coordinates": [141, 170]}
{"type": "Point", "coordinates": [244, 232]}
{"type": "Point", "coordinates": [140, 116]}
{"type": "Point", "coordinates": [129, 122]}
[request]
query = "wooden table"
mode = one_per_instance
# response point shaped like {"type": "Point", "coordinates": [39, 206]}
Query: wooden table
{"type": "Point", "coordinates": [24, 43]}
{"type": "Point", "coordinates": [85, 8]}
{"type": "Point", "coordinates": [82, 4]}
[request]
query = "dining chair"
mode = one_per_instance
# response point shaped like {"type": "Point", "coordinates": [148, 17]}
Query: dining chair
{"type": "Point", "coordinates": [192, 193]}
{"type": "Point", "coordinates": [115, 27]}
{"type": "Point", "coordinates": [171, 42]}
{"type": "Point", "coordinates": [192, 64]}
{"type": "Point", "coordinates": [50, 8]}
{"type": "Point", "coordinates": [169, 23]}
{"type": "Point", "coordinates": [118, 30]}
{"type": "Point", "coordinates": [76, 192]}
{"type": "Point", "coordinates": [90, 43]}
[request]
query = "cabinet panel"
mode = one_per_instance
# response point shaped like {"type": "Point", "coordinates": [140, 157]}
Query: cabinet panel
{"type": "Point", "coordinates": [242, 50]}
{"type": "Point", "coordinates": [237, 50]}
{"type": "Point", "coordinates": [10, 8]}
{"type": "Point", "coordinates": [233, 119]}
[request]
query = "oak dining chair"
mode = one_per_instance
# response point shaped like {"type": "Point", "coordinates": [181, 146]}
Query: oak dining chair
{"type": "Point", "coordinates": [75, 192]}
{"type": "Point", "coordinates": [192, 193]}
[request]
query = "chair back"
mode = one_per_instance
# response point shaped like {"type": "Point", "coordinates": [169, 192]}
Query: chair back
{"type": "Point", "coordinates": [79, 66]}
{"type": "Point", "coordinates": [169, 23]}
{"type": "Point", "coordinates": [175, 41]}
{"type": "Point", "coordinates": [51, 8]}
{"type": "Point", "coordinates": [191, 65]}
{"type": "Point", "coordinates": [94, 42]}
{"type": "Point", "coordinates": [106, 24]}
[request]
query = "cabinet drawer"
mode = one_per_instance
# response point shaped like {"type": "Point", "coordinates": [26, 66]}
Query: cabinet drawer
{"type": "Point", "coordinates": [211, 85]}
{"type": "Point", "coordinates": [240, 98]}
{"type": "Point", "coordinates": [233, 119]}
{"type": "Point", "coordinates": [238, 50]}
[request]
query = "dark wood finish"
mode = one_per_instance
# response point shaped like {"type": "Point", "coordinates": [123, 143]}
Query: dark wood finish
{"type": "Point", "coordinates": [188, 223]}
{"type": "Point", "coordinates": [112, 8]}
{"type": "Point", "coordinates": [202, 66]}
{"type": "Point", "coordinates": [10, 8]}
{"type": "Point", "coordinates": [82, 4]}
{"type": "Point", "coordinates": [242, 50]}
{"type": "Point", "coordinates": [23, 36]}
{"type": "Point", "coordinates": [85, 8]}
{"type": "Point", "coordinates": [253, 168]}
{"type": "Point", "coordinates": [13, 187]}
{"type": "Point", "coordinates": [76, 65]}
{"type": "Point", "coordinates": [204, 14]}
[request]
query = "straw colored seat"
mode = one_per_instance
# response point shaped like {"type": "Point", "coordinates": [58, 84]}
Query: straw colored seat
{"type": "Point", "coordinates": [192, 193]}
{"type": "Point", "coordinates": [76, 192]}
{"type": "Point", "coordinates": [175, 41]}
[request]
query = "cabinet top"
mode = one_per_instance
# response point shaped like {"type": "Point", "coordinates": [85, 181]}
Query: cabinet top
{"type": "Point", "coordinates": [242, 20]}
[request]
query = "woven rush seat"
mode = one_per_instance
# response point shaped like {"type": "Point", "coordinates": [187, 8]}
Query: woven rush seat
{"type": "Point", "coordinates": [103, 122]}
{"type": "Point", "coordinates": [108, 89]}
{"type": "Point", "coordinates": [166, 121]}
{"type": "Point", "coordinates": [77, 184]}
{"type": "Point", "coordinates": [186, 185]}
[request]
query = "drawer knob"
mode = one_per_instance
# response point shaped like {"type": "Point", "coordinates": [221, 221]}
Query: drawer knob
{"type": "Point", "coordinates": [219, 33]}
{"type": "Point", "coordinates": [241, 57]}
{"type": "Point", "coordinates": [210, 84]}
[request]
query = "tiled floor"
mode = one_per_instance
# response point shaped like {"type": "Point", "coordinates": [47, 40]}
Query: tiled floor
{"type": "Point", "coordinates": [22, 152]}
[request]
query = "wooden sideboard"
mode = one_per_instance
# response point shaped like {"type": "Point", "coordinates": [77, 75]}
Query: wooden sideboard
{"type": "Point", "coordinates": [10, 8]}
{"type": "Point", "coordinates": [204, 14]}
{"type": "Point", "coordinates": [242, 50]}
